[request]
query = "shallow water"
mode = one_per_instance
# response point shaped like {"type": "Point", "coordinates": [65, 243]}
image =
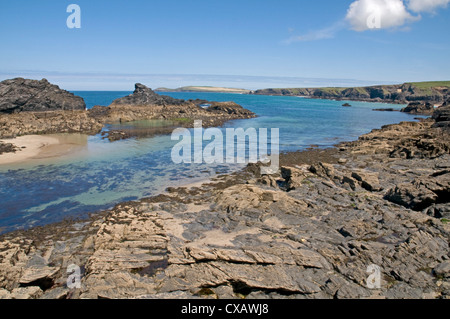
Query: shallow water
{"type": "Point", "coordinates": [100, 174]}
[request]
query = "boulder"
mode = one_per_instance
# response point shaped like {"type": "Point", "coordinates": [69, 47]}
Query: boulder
{"type": "Point", "coordinates": [419, 108]}
{"type": "Point", "coordinates": [39, 276]}
{"type": "Point", "coordinates": [323, 170]}
{"type": "Point", "coordinates": [8, 148]}
{"type": "Point", "coordinates": [294, 176]}
{"type": "Point", "coordinates": [442, 270]}
{"type": "Point", "coordinates": [19, 95]}
{"type": "Point", "coordinates": [369, 180]}
{"type": "Point", "coordinates": [411, 197]}
{"type": "Point", "coordinates": [423, 192]}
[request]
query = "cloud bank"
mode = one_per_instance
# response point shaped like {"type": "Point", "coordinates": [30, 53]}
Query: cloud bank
{"type": "Point", "coordinates": [388, 14]}
{"type": "Point", "coordinates": [377, 14]}
{"type": "Point", "coordinates": [427, 5]}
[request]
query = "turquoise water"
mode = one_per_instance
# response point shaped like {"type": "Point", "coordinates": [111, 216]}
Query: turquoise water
{"type": "Point", "coordinates": [101, 174]}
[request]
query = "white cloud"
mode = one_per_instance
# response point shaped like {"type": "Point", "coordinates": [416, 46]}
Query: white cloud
{"type": "Point", "coordinates": [378, 14]}
{"type": "Point", "coordinates": [427, 5]}
{"type": "Point", "coordinates": [374, 14]}
{"type": "Point", "coordinates": [321, 34]}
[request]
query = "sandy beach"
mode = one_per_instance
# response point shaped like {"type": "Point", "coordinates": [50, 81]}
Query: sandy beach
{"type": "Point", "coordinates": [34, 147]}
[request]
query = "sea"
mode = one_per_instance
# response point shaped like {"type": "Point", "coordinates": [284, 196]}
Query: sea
{"type": "Point", "coordinates": [101, 174]}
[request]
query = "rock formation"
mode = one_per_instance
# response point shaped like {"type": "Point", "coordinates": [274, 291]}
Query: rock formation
{"type": "Point", "coordinates": [419, 108]}
{"type": "Point", "coordinates": [38, 107]}
{"type": "Point", "coordinates": [25, 123]}
{"type": "Point", "coordinates": [442, 115]}
{"type": "Point", "coordinates": [23, 95]}
{"type": "Point", "coordinates": [8, 148]}
{"type": "Point", "coordinates": [309, 232]}
{"type": "Point", "coordinates": [143, 95]}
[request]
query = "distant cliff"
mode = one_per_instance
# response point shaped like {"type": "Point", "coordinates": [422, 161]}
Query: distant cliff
{"type": "Point", "coordinates": [211, 89]}
{"type": "Point", "coordinates": [432, 92]}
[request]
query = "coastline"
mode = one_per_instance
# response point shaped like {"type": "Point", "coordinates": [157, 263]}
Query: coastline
{"type": "Point", "coordinates": [309, 232]}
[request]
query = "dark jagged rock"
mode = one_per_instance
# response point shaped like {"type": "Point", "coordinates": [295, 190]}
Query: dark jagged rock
{"type": "Point", "coordinates": [8, 148]}
{"type": "Point", "coordinates": [143, 95]}
{"type": "Point", "coordinates": [419, 108]}
{"type": "Point", "coordinates": [20, 95]}
{"type": "Point", "coordinates": [230, 108]}
{"type": "Point", "coordinates": [346, 105]}
{"type": "Point", "coordinates": [442, 116]}
{"type": "Point", "coordinates": [385, 110]}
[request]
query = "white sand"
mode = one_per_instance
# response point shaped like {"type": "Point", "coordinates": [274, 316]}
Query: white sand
{"type": "Point", "coordinates": [40, 147]}
{"type": "Point", "coordinates": [33, 145]}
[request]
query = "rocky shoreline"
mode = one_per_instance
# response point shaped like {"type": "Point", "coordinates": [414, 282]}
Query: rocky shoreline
{"type": "Point", "coordinates": [309, 232]}
{"type": "Point", "coordinates": [38, 107]}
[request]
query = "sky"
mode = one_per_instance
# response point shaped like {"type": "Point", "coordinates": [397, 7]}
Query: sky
{"type": "Point", "coordinates": [246, 43]}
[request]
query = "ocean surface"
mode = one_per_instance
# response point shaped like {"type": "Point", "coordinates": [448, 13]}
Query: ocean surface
{"type": "Point", "coordinates": [101, 174]}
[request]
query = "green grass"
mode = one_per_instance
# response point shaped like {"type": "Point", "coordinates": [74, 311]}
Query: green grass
{"type": "Point", "coordinates": [334, 91]}
{"type": "Point", "coordinates": [429, 85]}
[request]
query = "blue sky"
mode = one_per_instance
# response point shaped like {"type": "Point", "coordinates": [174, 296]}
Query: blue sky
{"type": "Point", "coordinates": [246, 43]}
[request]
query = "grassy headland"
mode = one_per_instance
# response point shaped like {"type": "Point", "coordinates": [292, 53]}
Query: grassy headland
{"type": "Point", "coordinates": [433, 92]}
